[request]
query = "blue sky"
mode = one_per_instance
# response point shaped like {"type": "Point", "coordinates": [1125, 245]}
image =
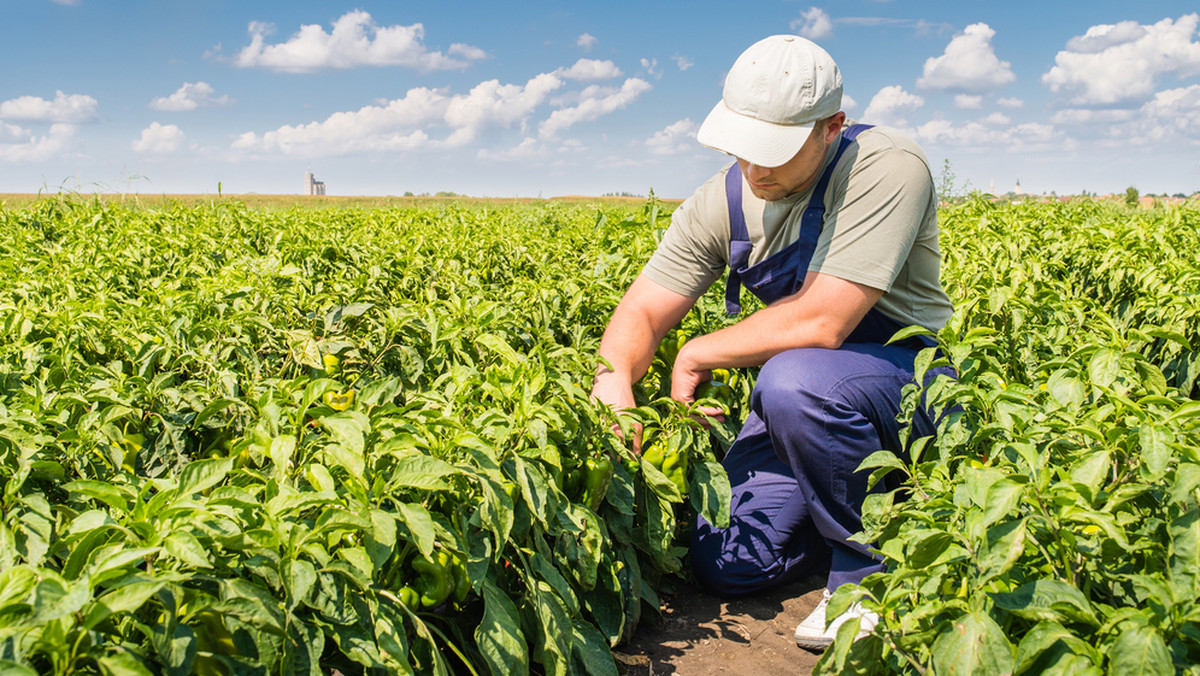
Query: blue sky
{"type": "Point", "coordinates": [552, 98]}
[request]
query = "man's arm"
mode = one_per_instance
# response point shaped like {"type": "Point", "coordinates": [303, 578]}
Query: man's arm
{"type": "Point", "coordinates": [645, 314]}
{"type": "Point", "coordinates": [821, 314]}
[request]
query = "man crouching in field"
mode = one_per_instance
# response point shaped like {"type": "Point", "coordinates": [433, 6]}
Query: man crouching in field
{"type": "Point", "coordinates": [834, 227]}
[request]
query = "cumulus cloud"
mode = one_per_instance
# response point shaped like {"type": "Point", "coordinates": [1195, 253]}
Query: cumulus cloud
{"type": "Point", "coordinates": [26, 147]}
{"type": "Point", "coordinates": [984, 136]}
{"type": "Point", "coordinates": [1010, 102]}
{"type": "Point", "coordinates": [1178, 111]}
{"type": "Point", "coordinates": [585, 42]}
{"type": "Point", "coordinates": [159, 139]}
{"type": "Point", "coordinates": [814, 24]}
{"type": "Point", "coordinates": [189, 97]}
{"type": "Point", "coordinates": [889, 106]}
{"type": "Point", "coordinates": [590, 69]}
{"type": "Point", "coordinates": [405, 124]}
{"type": "Point", "coordinates": [675, 138]}
{"type": "Point", "coordinates": [595, 102]}
{"type": "Point", "coordinates": [683, 62]}
{"type": "Point", "coordinates": [969, 64]}
{"type": "Point", "coordinates": [1121, 63]}
{"type": "Point", "coordinates": [354, 40]}
{"type": "Point", "coordinates": [968, 101]}
{"type": "Point", "coordinates": [65, 108]}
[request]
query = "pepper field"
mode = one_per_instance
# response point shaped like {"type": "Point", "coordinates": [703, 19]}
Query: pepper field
{"type": "Point", "coordinates": [298, 440]}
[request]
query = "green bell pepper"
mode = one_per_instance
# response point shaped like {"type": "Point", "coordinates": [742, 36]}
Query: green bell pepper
{"type": "Point", "coordinates": [597, 478]}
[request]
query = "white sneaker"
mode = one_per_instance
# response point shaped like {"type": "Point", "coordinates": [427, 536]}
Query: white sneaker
{"type": "Point", "coordinates": [812, 633]}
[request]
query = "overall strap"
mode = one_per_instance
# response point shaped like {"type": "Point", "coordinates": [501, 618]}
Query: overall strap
{"type": "Point", "coordinates": [810, 220]}
{"type": "Point", "coordinates": [739, 240]}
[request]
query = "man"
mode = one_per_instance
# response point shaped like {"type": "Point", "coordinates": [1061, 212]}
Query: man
{"type": "Point", "coordinates": [835, 230]}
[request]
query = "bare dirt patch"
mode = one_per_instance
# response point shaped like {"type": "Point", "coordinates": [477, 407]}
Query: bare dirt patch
{"type": "Point", "coordinates": [702, 634]}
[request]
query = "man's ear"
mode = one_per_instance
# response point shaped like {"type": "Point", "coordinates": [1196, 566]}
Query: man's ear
{"type": "Point", "coordinates": [833, 126]}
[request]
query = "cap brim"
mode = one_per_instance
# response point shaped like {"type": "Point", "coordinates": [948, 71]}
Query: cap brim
{"type": "Point", "coordinates": [762, 143]}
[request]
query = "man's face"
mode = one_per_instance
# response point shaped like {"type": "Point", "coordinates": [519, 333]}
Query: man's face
{"type": "Point", "coordinates": [798, 173]}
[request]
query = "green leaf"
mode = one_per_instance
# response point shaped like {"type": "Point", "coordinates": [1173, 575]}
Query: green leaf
{"type": "Point", "coordinates": [1184, 555]}
{"type": "Point", "coordinates": [1048, 600]}
{"type": "Point", "coordinates": [122, 662]}
{"type": "Point", "coordinates": [1156, 451]}
{"type": "Point", "coordinates": [422, 472]}
{"type": "Point", "coordinates": [590, 652]}
{"type": "Point", "coordinates": [1006, 543]}
{"type": "Point", "coordinates": [1105, 367]}
{"type": "Point", "coordinates": [1003, 498]}
{"type": "Point", "coordinates": [420, 525]}
{"type": "Point", "coordinates": [201, 474]}
{"type": "Point", "coordinates": [1140, 650]}
{"type": "Point", "coordinates": [499, 636]}
{"type": "Point", "coordinates": [711, 492]}
{"type": "Point", "coordinates": [974, 644]}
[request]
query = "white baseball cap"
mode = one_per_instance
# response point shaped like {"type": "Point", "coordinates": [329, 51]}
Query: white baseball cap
{"type": "Point", "coordinates": [777, 90]}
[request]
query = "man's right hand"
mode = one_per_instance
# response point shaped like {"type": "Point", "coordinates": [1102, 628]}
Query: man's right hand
{"type": "Point", "coordinates": [610, 389]}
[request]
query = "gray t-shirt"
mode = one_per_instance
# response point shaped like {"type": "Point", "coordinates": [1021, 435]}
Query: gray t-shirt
{"type": "Point", "coordinates": [880, 230]}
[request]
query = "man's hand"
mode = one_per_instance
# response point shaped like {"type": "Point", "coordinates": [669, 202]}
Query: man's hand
{"type": "Point", "coordinates": [686, 377]}
{"type": "Point", "coordinates": [610, 389]}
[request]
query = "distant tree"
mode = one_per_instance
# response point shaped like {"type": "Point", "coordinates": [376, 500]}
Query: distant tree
{"type": "Point", "coordinates": [1131, 196]}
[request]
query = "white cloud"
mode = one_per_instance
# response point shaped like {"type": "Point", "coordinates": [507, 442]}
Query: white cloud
{"type": "Point", "coordinates": [528, 148]}
{"type": "Point", "coordinates": [997, 119]}
{"type": "Point", "coordinates": [491, 104]}
{"type": "Point", "coordinates": [30, 148]}
{"type": "Point", "coordinates": [590, 69]}
{"type": "Point", "coordinates": [65, 108]}
{"type": "Point", "coordinates": [848, 103]}
{"type": "Point", "coordinates": [968, 101]}
{"type": "Point", "coordinates": [405, 124]}
{"type": "Point", "coordinates": [968, 65]}
{"type": "Point", "coordinates": [675, 138]}
{"type": "Point", "coordinates": [1113, 64]}
{"type": "Point", "coordinates": [355, 40]}
{"type": "Point", "coordinates": [814, 24]}
{"type": "Point", "coordinates": [65, 2]}
{"type": "Point", "coordinates": [683, 62]}
{"type": "Point", "coordinates": [189, 97]}
{"type": "Point", "coordinates": [889, 105]}
{"type": "Point", "coordinates": [651, 66]}
{"type": "Point", "coordinates": [585, 42]}
{"type": "Point", "coordinates": [594, 102]}
{"type": "Point", "coordinates": [980, 136]}
{"type": "Point", "coordinates": [1178, 111]}
{"type": "Point", "coordinates": [159, 139]}
{"type": "Point", "coordinates": [1010, 102]}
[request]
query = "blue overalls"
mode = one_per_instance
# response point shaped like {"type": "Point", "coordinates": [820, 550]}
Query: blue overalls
{"type": "Point", "coordinates": [816, 413]}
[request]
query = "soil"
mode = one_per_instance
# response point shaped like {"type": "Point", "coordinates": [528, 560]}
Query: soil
{"type": "Point", "coordinates": [702, 634]}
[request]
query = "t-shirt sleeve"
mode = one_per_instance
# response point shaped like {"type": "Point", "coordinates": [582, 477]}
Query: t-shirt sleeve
{"type": "Point", "coordinates": [876, 213]}
{"type": "Point", "coordinates": [692, 254]}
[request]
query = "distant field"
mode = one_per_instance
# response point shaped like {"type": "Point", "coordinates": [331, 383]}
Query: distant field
{"type": "Point", "coordinates": [17, 200]}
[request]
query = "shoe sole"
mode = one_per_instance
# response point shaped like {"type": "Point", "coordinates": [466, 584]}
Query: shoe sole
{"type": "Point", "coordinates": [815, 644]}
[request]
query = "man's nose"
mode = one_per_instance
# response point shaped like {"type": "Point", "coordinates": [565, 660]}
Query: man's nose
{"type": "Point", "coordinates": [756, 173]}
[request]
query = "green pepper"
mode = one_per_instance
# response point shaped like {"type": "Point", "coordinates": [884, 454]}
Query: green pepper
{"type": "Point", "coordinates": [669, 348]}
{"type": "Point", "coordinates": [462, 583]}
{"type": "Point", "coordinates": [409, 597]}
{"type": "Point", "coordinates": [671, 461]}
{"type": "Point", "coordinates": [599, 474]}
{"type": "Point", "coordinates": [572, 478]}
{"type": "Point", "coordinates": [433, 582]}
{"type": "Point", "coordinates": [716, 391]}
{"type": "Point", "coordinates": [675, 466]}
{"type": "Point", "coordinates": [339, 401]}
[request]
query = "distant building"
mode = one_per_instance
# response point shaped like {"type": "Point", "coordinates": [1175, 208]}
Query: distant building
{"type": "Point", "coordinates": [312, 186]}
{"type": "Point", "coordinates": [1016, 190]}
